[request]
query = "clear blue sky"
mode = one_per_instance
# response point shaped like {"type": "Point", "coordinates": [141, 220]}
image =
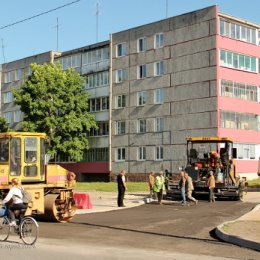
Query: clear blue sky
{"type": "Point", "coordinates": [77, 22]}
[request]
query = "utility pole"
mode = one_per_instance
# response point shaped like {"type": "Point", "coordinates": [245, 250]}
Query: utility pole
{"type": "Point", "coordinates": [57, 34]}
{"type": "Point", "coordinates": [166, 8]}
{"type": "Point", "coordinates": [97, 17]}
{"type": "Point", "coordinates": [3, 49]}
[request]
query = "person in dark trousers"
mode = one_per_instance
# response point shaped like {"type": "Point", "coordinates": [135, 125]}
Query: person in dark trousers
{"type": "Point", "coordinates": [211, 185]}
{"type": "Point", "coordinates": [15, 194]}
{"type": "Point", "coordinates": [182, 185]}
{"type": "Point", "coordinates": [121, 183]}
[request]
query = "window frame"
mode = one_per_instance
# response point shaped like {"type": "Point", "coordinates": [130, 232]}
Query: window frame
{"type": "Point", "coordinates": [122, 152]}
{"type": "Point", "coordinates": [159, 124]}
{"type": "Point", "coordinates": [142, 71]}
{"type": "Point", "coordinates": [142, 98]}
{"type": "Point", "coordinates": [159, 96]}
{"type": "Point", "coordinates": [142, 42]}
{"type": "Point", "coordinates": [120, 101]}
{"type": "Point", "coordinates": [120, 127]}
{"type": "Point", "coordinates": [159, 153]}
{"type": "Point", "coordinates": [158, 40]}
{"type": "Point", "coordinates": [142, 126]}
{"type": "Point", "coordinates": [121, 49]}
{"type": "Point", "coordinates": [158, 68]}
{"type": "Point", "coordinates": [141, 153]}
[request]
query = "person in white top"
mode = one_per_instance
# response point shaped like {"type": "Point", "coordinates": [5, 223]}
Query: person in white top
{"type": "Point", "coordinates": [14, 194]}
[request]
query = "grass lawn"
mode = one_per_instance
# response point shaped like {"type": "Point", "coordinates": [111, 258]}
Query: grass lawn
{"type": "Point", "coordinates": [132, 186]}
{"type": "Point", "coordinates": [111, 186]}
{"type": "Point", "coordinates": [254, 183]}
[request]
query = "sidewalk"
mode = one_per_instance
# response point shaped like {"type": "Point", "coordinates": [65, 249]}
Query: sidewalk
{"type": "Point", "coordinates": [244, 231]}
{"type": "Point", "coordinates": [107, 201]}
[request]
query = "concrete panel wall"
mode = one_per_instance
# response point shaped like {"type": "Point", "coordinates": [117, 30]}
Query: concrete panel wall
{"type": "Point", "coordinates": [189, 83]}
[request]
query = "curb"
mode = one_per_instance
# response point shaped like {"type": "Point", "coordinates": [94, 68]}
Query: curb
{"type": "Point", "coordinates": [221, 234]}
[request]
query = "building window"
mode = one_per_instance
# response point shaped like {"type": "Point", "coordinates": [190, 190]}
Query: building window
{"type": "Point", "coordinates": [98, 104]}
{"type": "Point", "coordinates": [158, 96]}
{"type": "Point", "coordinates": [95, 60]}
{"type": "Point", "coordinates": [8, 117]}
{"type": "Point", "coordinates": [99, 79]}
{"type": "Point", "coordinates": [96, 155]}
{"type": "Point", "coordinates": [73, 61]}
{"type": "Point", "coordinates": [158, 153]}
{"type": "Point", "coordinates": [141, 72]}
{"type": "Point", "coordinates": [237, 31]}
{"type": "Point", "coordinates": [158, 40]}
{"type": "Point", "coordinates": [9, 76]}
{"type": "Point", "coordinates": [121, 75]}
{"type": "Point", "coordinates": [239, 90]}
{"type": "Point", "coordinates": [158, 68]}
{"type": "Point", "coordinates": [120, 154]}
{"type": "Point", "coordinates": [238, 61]}
{"type": "Point", "coordinates": [243, 121]}
{"type": "Point", "coordinates": [17, 116]}
{"type": "Point", "coordinates": [101, 130]}
{"type": "Point", "coordinates": [246, 151]}
{"type": "Point", "coordinates": [120, 101]}
{"type": "Point", "coordinates": [141, 98]}
{"type": "Point", "coordinates": [141, 125]}
{"type": "Point", "coordinates": [95, 56]}
{"type": "Point", "coordinates": [159, 124]}
{"type": "Point", "coordinates": [105, 103]}
{"type": "Point", "coordinates": [121, 49]}
{"type": "Point", "coordinates": [141, 44]}
{"type": "Point", "coordinates": [8, 97]}
{"type": "Point", "coordinates": [120, 127]}
{"type": "Point", "coordinates": [13, 75]}
{"type": "Point", "coordinates": [142, 153]}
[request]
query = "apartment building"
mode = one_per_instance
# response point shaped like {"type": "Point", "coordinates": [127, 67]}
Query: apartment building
{"type": "Point", "coordinates": [152, 86]}
{"type": "Point", "coordinates": [12, 77]}
{"type": "Point", "coordinates": [195, 74]}
{"type": "Point", "coordinates": [93, 63]}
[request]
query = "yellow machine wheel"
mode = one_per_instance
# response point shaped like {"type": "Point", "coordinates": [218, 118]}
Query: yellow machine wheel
{"type": "Point", "coordinates": [57, 210]}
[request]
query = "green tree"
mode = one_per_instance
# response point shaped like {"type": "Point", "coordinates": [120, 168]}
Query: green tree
{"type": "Point", "coordinates": [53, 102]}
{"type": "Point", "coordinates": [3, 125]}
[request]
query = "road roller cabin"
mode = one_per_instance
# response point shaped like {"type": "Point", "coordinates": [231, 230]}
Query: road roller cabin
{"type": "Point", "coordinates": [23, 156]}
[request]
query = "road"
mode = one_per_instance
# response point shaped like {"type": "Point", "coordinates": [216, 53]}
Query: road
{"type": "Point", "coordinates": [150, 231]}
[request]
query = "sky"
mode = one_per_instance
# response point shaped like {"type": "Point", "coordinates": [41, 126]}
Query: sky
{"type": "Point", "coordinates": [78, 24]}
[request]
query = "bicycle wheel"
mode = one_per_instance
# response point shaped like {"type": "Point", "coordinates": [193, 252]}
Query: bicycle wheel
{"type": "Point", "coordinates": [29, 230]}
{"type": "Point", "coordinates": [4, 228]}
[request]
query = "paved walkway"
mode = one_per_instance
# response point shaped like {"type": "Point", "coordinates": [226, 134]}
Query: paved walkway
{"type": "Point", "coordinates": [107, 201]}
{"type": "Point", "coordinates": [244, 231]}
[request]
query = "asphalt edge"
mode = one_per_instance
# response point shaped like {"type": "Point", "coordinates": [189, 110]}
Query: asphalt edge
{"type": "Point", "coordinates": [221, 234]}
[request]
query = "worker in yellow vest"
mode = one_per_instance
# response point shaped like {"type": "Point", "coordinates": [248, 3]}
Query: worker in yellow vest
{"type": "Point", "coordinates": [159, 186]}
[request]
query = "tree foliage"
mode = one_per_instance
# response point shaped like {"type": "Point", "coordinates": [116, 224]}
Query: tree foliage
{"type": "Point", "coordinates": [3, 125]}
{"type": "Point", "coordinates": [53, 102]}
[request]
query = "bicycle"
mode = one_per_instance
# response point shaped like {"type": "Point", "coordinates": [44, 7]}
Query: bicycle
{"type": "Point", "coordinates": [27, 228]}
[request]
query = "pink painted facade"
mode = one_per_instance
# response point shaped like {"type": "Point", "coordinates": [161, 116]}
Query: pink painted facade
{"type": "Point", "coordinates": [239, 136]}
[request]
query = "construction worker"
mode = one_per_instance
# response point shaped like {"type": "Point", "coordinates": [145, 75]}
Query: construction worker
{"type": "Point", "coordinates": [182, 187]}
{"type": "Point", "coordinates": [159, 186]}
{"type": "Point", "coordinates": [151, 185]}
{"type": "Point", "coordinates": [211, 185]}
{"type": "Point", "coordinates": [189, 188]}
{"type": "Point", "coordinates": [242, 187]}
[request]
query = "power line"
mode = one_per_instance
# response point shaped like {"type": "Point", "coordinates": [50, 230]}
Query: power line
{"type": "Point", "coordinates": [37, 15]}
